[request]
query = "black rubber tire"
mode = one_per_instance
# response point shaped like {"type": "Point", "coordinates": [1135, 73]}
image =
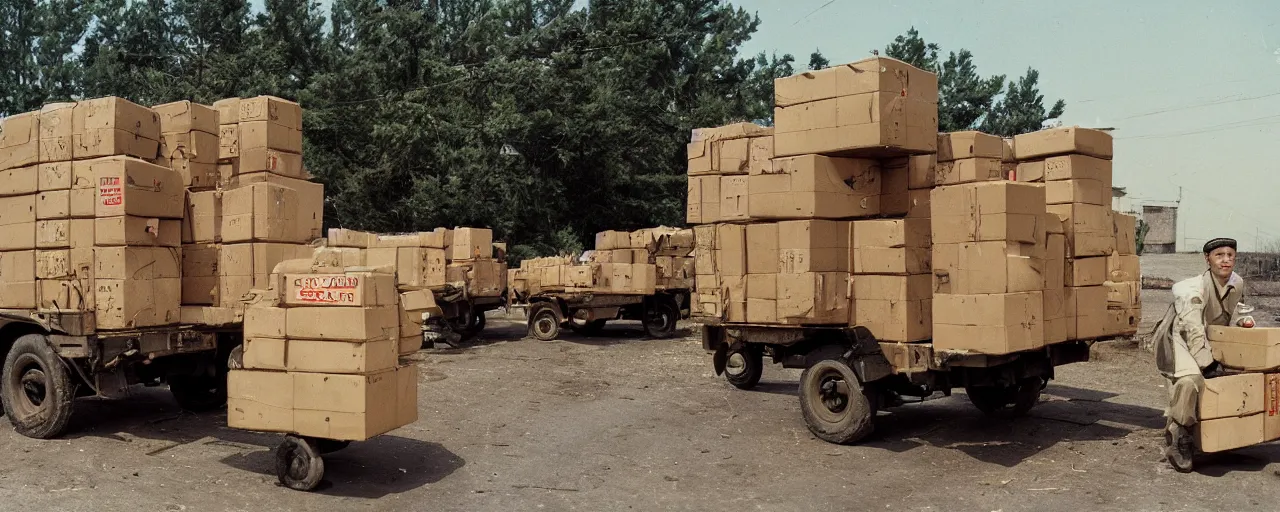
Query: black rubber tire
{"type": "Point", "coordinates": [544, 322]}
{"type": "Point", "coordinates": [199, 393]}
{"type": "Point", "coordinates": [298, 464]}
{"type": "Point", "coordinates": [660, 318]}
{"type": "Point", "coordinates": [831, 415]}
{"type": "Point", "coordinates": [752, 362]}
{"type": "Point", "coordinates": [37, 388]}
{"type": "Point", "coordinates": [1006, 401]}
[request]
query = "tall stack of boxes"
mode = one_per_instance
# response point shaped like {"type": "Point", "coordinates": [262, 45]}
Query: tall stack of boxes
{"type": "Point", "coordinates": [934, 240]}
{"type": "Point", "coordinates": [1074, 165]}
{"type": "Point", "coordinates": [266, 210]}
{"type": "Point", "coordinates": [19, 185]}
{"type": "Point", "coordinates": [321, 357]}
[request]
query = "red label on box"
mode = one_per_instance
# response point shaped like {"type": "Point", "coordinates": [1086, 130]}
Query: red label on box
{"type": "Point", "coordinates": [326, 289]}
{"type": "Point", "coordinates": [110, 191]}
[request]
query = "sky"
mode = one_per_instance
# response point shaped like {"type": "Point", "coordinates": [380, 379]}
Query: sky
{"type": "Point", "coordinates": [1192, 88]}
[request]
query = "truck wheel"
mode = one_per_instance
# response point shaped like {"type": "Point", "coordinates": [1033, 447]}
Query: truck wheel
{"type": "Point", "coordinates": [660, 318]}
{"type": "Point", "coordinates": [298, 464]}
{"type": "Point", "coordinates": [833, 403]}
{"type": "Point", "coordinates": [544, 322]}
{"type": "Point", "coordinates": [1011, 401]}
{"type": "Point", "coordinates": [199, 393]}
{"type": "Point", "coordinates": [744, 364]}
{"type": "Point", "coordinates": [38, 388]}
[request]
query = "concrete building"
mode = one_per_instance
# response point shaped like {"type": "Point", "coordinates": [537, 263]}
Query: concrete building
{"type": "Point", "coordinates": [1162, 237]}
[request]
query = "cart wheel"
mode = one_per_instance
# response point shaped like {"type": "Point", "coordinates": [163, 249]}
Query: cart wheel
{"type": "Point", "coordinates": [1010, 401]}
{"type": "Point", "coordinates": [298, 463]}
{"type": "Point", "coordinates": [37, 388]}
{"type": "Point", "coordinates": [833, 403]}
{"type": "Point", "coordinates": [471, 327]}
{"type": "Point", "coordinates": [544, 321]}
{"type": "Point", "coordinates": [661, 317]}
{"type": "Point", "coordinates": [744, 365]}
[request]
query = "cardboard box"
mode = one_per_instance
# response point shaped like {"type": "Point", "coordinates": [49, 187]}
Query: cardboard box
{"type": "Point", "coordinates": [868, 75]}
{"type": "Point", "coordinates": [210, 316]}
{"type": "Point", "coordinates": [1079, 167]}
{"type": "Point", "coordinates": [699, 156]}
{"type": "Point", "coordinates": [415, 267]}
{"type": "Point", "coordinates": [64, 294]}
{"type": "Point", "coordinates": [318, 356]}
{"type": "Point", "coordinates": [243, 267]}
{"type": "Point", "coordinates": [19, 182]}
{"type": "Point", "coordinates": [968, 144]}
{"type": "Point", "coordinates": [56, 132]}
{"type": "Point", "coordinates": [862, 125]}
{"type": "Point", "coordinates": [733, 198]}
{"type": "Point", "coordinates": [349, 407]}
{"type": "Point", "coordinates": [902, 320]}
{"type": "Point", "coordinates": [1230, 433]}
{"type": "Point", "coordinates": [704, 200]}
{"type": "Point", "coordinates": [18, 236]}
{"type": "Point", "coordinates": [1088, 306]}
{"type": "Point", "coordinates": [343, 323]}
{"type": "Point", "coordinates": [1055, 262]}
{"type": "Point", "coordinates": [730, 156]}
{"type": "Point", "coordinates": [361, 289]}
{"type": "Point", "coordinates": [762, 311]}
{"type": "Point", "coordinates": [261, 401]}
{"type": "Point", "coordinates": [621, 256]}
{"type": "Point", "coordinates": [730, 255]}
{"type": "Point", "coordinates": [20, 140]}
{"type": "Point", "coordinates": [1124, 268]}
{"type": "Point", "coordinates": [991, 211]}
{"type": "Point", "coordinates": [136, 303]}
{"type": "Point", "coordinates": [104, 143]}
{"type": "Point", "coordinates": [988, 267]}
{"type": "Point", "coordinates": [992, 324]}
{"type": "Point", "coordinates": [268, 135]}
{"type": "Point", "coordinates": [610, 240]}
{"type": "Point", "coordinates": [1086, 271]}
{"type": "Point", "coordinates": [127, 186]}
{"type": "Point", "coordinates": [1061, 141]}
{"type": "Point", "coordinates": [18, 280]}
{"type": "Point", "coordinates": [918, 204]}
{"type": "Point", "coordinates": [434, 240]}
{"type": "Point", "coordinates": [265, 160]}
{"type": "Point", "coordinates": [267, 212]}
{"type": "Point", "coordinates": [1125, 294]}
{"type": "Point", "coordinates": [761, 155]}
{"type": "Point", "coordinates": [734, 291]}
{"type": "Point", "coordinates": [265, 322]}
{"type": "Point", "coordinates": [228, 111]}
{"type": "Point", "coordinates": [53, 205]}
{"type": "Point", "coordinates": [339, 237]}
{"type": "Point", "coordinates": [812, 186]}
{"type": "Point", "coordinates": [179, 149]}
{"type": "Point", "coordinates": [137, 231]}
{"type": "Point", "coordinates": [1077, 191]}
{"type": "Point", "coordinates": [228, 141]}
{"type": "Point", "coordinates": [1256, 349]}
{"type": "Point", "coordinates": [922, 172]}
{"type": "Point", "coordinates": [968, 170]}
{"type": "Point", "coordinates": [1055, 314]}
{"type": "Point", "coordinates": [112, 113]}
{"type": "Point", "coordinates": [203, 220]}
{"type": "Point", "coordinates": [1122, 321]}
{"type": "Point", "coordinates": [54, 264]}
{"type": "Point", "coordinates": [1126, 229]}
{"type": "Point", "coordinates": [53, 234]}
{"type": "Point", "coordinates": [1090, 229]}
{"type": "Point", "coordinates": [471, 244]}
{"type": "Point", "coordinates": [137, 263]}
{"type": "Point", "coordinates": [898, 246]}
{"type": "Point", "coordinates": [1271, 407]}
{"type": "Point", "coordinates": [762, 286]}
{"type": "Point", "coordinates": [762, 251]}
{"type": "Point", "coordinates": [814, 298]}
{"type": "Point", "coordinates": [200, 274]}
{"type": "Point", "coordinates": [813, 246]}
{"type": "Point", "coordinates": [185, 117]}
{"type": "Point", "coordinates": [270, 108]}
{"type": "Point", "coordinates": [1030, 172]}
{"type": "Point", "coordinates": [49, 177]}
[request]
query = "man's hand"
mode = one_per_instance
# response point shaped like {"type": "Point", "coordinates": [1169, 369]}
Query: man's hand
{"type": "Point", "coordinates": [1246, 322]}
{"type": "Point", "coordinates": [1213, 370]}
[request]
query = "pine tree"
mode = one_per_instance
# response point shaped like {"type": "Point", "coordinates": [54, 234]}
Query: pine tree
{"type": "Point", "coordinates": [212, 50]}
{"type": "Point", "coordinates": [1021, 110]}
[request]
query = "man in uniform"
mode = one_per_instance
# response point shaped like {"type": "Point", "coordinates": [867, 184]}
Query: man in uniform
{"type": "Point", "coordinates": [1183, 353]}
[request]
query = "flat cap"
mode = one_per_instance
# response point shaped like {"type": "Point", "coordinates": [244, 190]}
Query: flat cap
{"type": "Point", "coordinates": [1218, 243]}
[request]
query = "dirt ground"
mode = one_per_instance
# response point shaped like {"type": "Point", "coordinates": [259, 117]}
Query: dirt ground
{"type": "Point", "coordinates": [626, 423]}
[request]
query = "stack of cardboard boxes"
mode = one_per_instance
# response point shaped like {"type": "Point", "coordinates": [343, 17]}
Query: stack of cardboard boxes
{"type": "Point", "coordinates": [263, 212]}
{"type": "Point", "coordinates": [321, 357]}
{"type": "Point", "coordinates": [960, 255]}
{"type": "Point", "coordinates": [842, 149]}
{"type": "Point", "coordinates": [1101, 272]}
{"type": "Point", "coordinates": [1241, 410]}
{"type": "Point", "coordinates": [623, 262]}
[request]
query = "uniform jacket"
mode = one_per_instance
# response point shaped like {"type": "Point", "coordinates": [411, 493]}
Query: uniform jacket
{"type": "Point", "coordinates": [1182, 346]}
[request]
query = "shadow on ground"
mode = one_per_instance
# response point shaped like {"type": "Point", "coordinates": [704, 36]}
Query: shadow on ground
{"type": "Point", "coordinates": [386, 464]}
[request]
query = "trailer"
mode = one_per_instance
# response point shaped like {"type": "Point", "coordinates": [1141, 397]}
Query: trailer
{"type": "Point", "coordinates": [587, 312]}
{"type": "Point", "coordinates": [462, 315]}
{"type": "Point", "coordinates": [849, 375]}
{"type": "Point", "coordinates": [52, 358]}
